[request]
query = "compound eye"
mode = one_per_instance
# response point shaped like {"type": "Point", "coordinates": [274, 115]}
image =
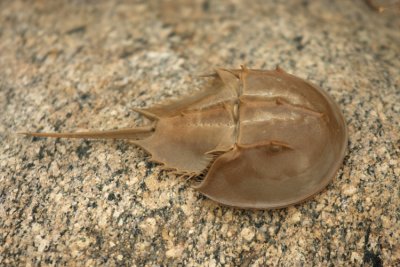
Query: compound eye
{"type": "Point", "coordinates": [275, 148]}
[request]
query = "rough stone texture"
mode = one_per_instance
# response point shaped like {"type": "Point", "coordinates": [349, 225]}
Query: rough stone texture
{"type": "Point", "coordinates": [69, 65]}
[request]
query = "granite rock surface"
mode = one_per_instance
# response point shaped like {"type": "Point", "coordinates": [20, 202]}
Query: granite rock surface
{"type": "Point", "coordinates": [73, 65]}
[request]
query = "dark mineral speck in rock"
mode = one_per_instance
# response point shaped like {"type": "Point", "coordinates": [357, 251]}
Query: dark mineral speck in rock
{"type": "Point", "coordinates": [83, 149]}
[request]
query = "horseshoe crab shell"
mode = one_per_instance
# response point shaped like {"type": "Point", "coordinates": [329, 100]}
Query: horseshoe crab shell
{"type": "Point", "coordinates": [260, 139]}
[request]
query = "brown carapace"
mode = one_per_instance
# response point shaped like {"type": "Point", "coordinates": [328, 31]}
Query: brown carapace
{"type": "Point", "coordinates": [258, 139]}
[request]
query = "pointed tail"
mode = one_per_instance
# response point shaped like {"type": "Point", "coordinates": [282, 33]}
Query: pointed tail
{"type": "Point", "coordinates": [130, 133]}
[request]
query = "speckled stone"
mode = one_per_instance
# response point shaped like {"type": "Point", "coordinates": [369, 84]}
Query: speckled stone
{"type": "Point", "coordinates": [73, 65]}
